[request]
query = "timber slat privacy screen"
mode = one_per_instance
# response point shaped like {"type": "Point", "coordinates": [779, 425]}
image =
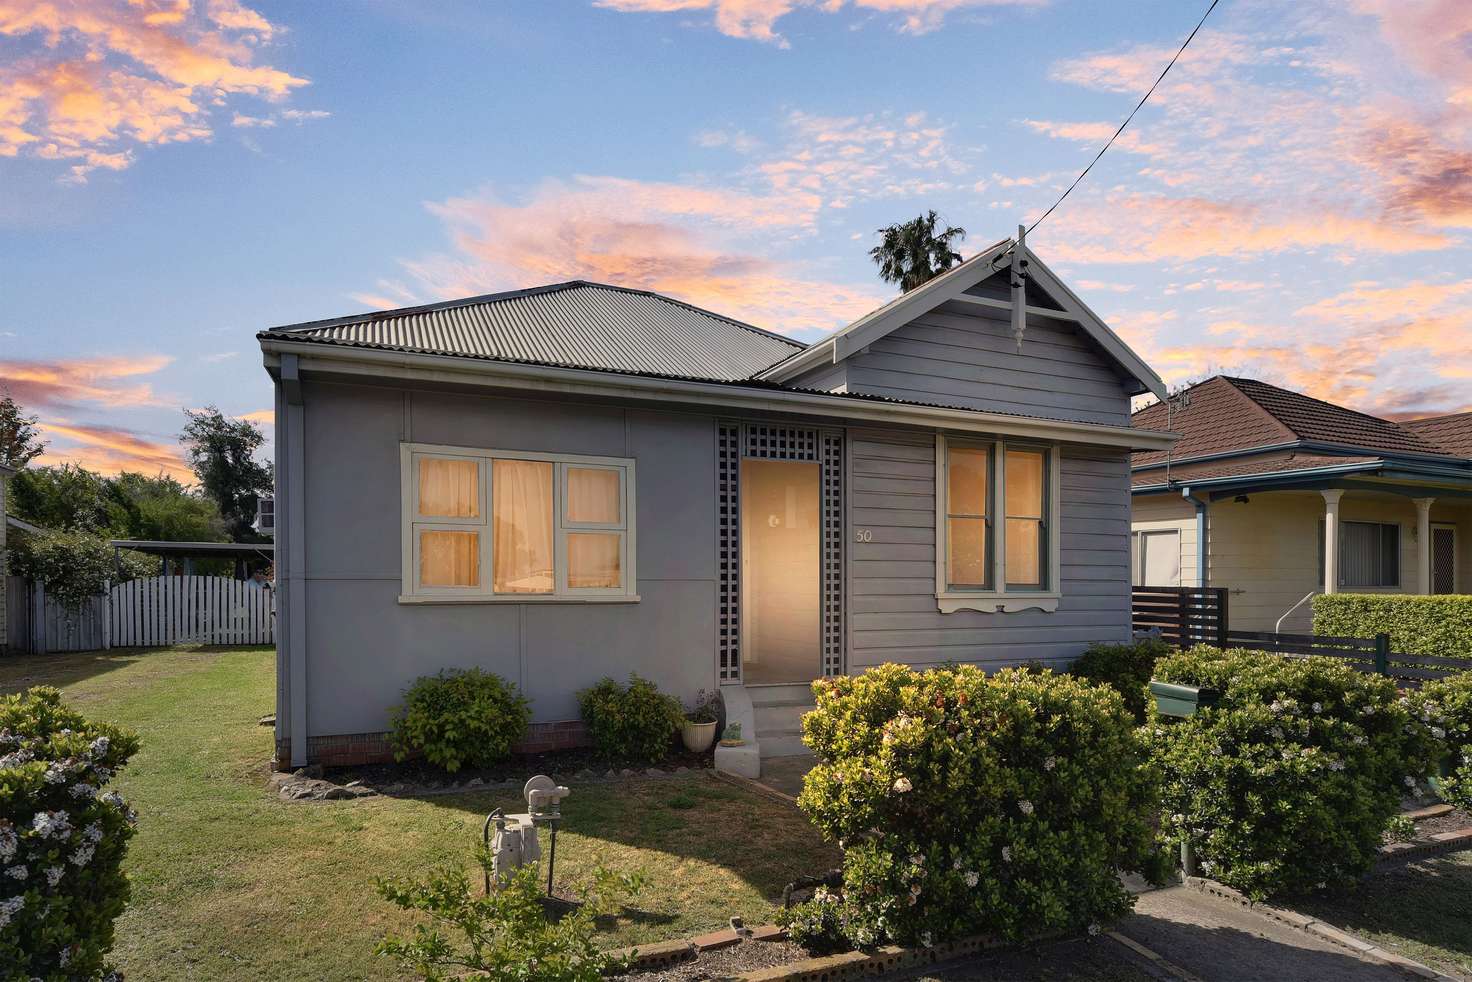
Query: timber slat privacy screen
{"type": "Point", "coordinates": [1184, 615]}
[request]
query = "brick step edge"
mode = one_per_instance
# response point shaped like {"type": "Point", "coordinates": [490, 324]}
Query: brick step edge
{"type": "Point", "coordinates": [663, 954]}
{"type": "Point", "coordinates": [1317, 928]}
{"type": "Point", "coordinates": [1434, 845]}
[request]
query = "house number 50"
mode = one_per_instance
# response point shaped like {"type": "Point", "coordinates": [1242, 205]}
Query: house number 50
{"type": "Point", "coordinates": [863, 535]}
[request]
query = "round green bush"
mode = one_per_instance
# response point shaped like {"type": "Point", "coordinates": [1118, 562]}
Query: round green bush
{"type": "Point", "coordinates": [1288, 783]}
{"type": "Point", "coordinates": [967, 803]}
{"type": "Point", "coordinates": [460, 717]}
{"type": "Point", "coordinates": [1445, 707]}
{"type": "Point", "coordinates": [633, 722]}
{"type": "Point", "coordinates": [62, 838]}
{"type": "Point", "coordinates": [1126, 668]}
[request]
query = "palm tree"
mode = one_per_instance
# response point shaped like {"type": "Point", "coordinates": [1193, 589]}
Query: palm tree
{"type": "Point", "coordinates": [912, 252]}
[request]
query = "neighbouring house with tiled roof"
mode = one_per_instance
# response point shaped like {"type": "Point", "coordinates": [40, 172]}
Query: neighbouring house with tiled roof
{"type": "Point", "coordinates": [1276, 495]}
{"type": "Point", "coordinates": [576, 481]}
{"type": "Point", "coordinates": [5, 474]}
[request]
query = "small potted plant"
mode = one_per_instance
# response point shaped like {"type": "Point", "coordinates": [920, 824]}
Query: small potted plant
{"type": "Point", "coordinates": [699, 728]}
{"type": "Point", "coordinates": [732, 736]}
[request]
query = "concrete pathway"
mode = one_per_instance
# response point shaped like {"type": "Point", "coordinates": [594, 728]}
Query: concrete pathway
{"type": "Point", "coordinates": [1215, 939]}
{"type": "Point", "coordinates": [785, 774]}
{"type": "Point", "coordinates": [1175, 935]}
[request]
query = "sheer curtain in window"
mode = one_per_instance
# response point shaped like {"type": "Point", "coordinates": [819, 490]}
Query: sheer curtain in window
{"type": "Point", "coordinates": [448, 488]}
{"type": "Point", "coordinates": [522, 528]}
{"type": "Point", "coordinates": [449, 558]}
{"type": "Point", "coordinates": [1024, 503]}
{"type": "Point", "coordinates": [968, 473]}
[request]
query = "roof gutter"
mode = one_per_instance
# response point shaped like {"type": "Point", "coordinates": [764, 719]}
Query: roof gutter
{"type": "Point", "coordinates": [453, 369]}
{"type": "Point", "coordinates": [1263, 475]}
{"type": "Point", "coordinates": [1321, 445]}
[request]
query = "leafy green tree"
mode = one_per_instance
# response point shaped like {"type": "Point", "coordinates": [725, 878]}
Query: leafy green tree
{"type": "Point", "coordinates": [20, 442]}
{"type": "Point", "coordinates": [65, 497]}
{"type": "Point", "coordinates": [161, 508]}
{"type": "Point", "coordinates": [222, 451]}
{"type": "Point", "coordinates": [911, 253]}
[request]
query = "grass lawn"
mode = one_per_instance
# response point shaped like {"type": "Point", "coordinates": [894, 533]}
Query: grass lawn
{"type": "Point", "coordinates": [230, 882]}
{"type": "Point", "coordinates": [1422, 911]}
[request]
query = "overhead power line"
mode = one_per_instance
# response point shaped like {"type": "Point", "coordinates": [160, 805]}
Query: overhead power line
{"type": "Point", "coordinates": [1170, 64]}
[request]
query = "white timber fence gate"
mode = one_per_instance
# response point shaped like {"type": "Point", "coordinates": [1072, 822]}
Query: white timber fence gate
{"type": "Point", "coordinates": [165, 610]}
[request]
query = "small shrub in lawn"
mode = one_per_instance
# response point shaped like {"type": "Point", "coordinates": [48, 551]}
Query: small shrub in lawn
{"type": "Point", "coordinates": [1288, 783]}
{"type": "Point", "coordinates": [507, 934]}
{"type": "Point", "coordinates": [1445, 706]}
{"type": "Point", "coordinates": [968, 803]}
{"type": "Point", "coordinates": [1126, 668]}
{"type": "Point", "coordinates": [459, 718]}
{"type": "Point", "coordinates": [632, 722]}
{"type": "Point", "coordinates": [62, 838]}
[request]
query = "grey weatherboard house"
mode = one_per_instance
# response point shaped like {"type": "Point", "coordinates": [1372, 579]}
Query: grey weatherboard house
{"type": "Point", "coordinates": [573, 481]}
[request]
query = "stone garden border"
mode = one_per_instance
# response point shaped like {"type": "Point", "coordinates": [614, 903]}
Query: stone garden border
{"type": "Point", "coordinates": [307, 783]}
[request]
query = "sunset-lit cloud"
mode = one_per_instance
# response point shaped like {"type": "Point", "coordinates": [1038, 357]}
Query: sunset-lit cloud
{"type": "Point", "coordinates": [110, 449]}
{"type": "Point", "coordinates": [114, 382]}
{"type": "Point", "coordinates": [757, 19]}
{"type": "Point", "coordinates": [677, 239]}
{"type": "Point", "coordinates": [87, 82]}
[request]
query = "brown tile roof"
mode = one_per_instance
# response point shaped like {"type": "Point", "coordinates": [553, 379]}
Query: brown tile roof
{"type": "Point", "coordinates": [1224, 414]}
{"type": "Point", "coordinates": [1450, 434]}
{"type": "Point", "coordinates": [1274, 463]}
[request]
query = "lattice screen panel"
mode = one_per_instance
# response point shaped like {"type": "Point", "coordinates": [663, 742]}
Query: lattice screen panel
{"type": "Point", "coordinates": [832, 554]}
{"type": "Point", "coordinates": [728, 550]}
{"type": "Point", "coordinates": [780, 442]}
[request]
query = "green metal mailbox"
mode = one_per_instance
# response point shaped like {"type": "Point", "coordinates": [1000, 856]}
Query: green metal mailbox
{"type": "Point", "coordinates": [1181, 700]}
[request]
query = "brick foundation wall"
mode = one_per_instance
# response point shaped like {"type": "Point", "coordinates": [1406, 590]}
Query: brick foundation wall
{"type": "Point", "coordinates": [348, 749]}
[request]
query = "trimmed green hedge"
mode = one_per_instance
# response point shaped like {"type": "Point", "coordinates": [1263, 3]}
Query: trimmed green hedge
{"type": "Point", "coordinates": [1440, 625]}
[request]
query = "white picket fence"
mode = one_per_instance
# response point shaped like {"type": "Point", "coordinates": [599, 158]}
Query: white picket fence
{"type": "Point", "coordinates": [164, 610]}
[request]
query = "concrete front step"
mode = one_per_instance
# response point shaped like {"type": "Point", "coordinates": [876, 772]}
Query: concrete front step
{"type": "Point", "coordinates": [782, 717]}
{"type": "Point", "coordinates": [783, 744]}
{"type": "Point", "coordinates": [791, 692]}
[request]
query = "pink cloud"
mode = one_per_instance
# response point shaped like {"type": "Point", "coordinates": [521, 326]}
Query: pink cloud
{"type": "Point", "coordinates": [107, 76]}
{"type": "Point", "coordinates": [105, 381]}
{"type": "Point", "coordinates": [110, 449]}
{"type": "Point", "coordinates": [674, 239]}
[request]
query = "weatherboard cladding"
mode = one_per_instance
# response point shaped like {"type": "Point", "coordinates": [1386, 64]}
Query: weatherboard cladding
{"type": "Point", "coordinates": [576, 325]}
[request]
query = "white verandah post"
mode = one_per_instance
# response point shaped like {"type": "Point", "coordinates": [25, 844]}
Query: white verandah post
{"type": "Point", "coordinates": [1331, 540]}
{"type": "Point", "coordinates": [1423, 545]}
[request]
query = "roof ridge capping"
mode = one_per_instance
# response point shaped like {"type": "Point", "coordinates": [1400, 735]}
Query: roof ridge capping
{"type": "Point", "coordinates": [373, 316]}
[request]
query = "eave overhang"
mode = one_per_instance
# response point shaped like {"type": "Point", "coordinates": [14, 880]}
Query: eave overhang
{"type": "Point", "coordinates": [312, 357]}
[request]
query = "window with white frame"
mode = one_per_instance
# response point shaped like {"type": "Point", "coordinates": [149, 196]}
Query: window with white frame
{"type": "Point", "coordinates": [510, 525]}
{"type": "Point", "coordinates": [997, 514]}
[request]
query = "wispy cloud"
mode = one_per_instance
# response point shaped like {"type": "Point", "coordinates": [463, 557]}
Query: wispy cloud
{"type": "Point", "coordinates": [110, 449]}
{"type": "Point", "coordinates": [679, 239]}
{"type": "Point", "coordinates": [105, 381]}
{"type": "Point", "coordinates": [757, 19]}
{"type": "Point", "coordinates": [86, 82]}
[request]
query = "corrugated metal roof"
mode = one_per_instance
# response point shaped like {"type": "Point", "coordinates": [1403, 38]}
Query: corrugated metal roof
{"type": "Point", "coordinates": [575, 325]}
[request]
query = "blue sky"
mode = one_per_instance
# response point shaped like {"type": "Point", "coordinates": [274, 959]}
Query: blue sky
{"type": "Point", "coordinates": [1294, 204]}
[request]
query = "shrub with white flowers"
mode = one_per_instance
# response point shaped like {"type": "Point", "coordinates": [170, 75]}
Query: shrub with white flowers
{"type": "Point", "coordinates": [1445, 707]}
{"type": "Point", "coordinates": [62, 840]}
{"type": "Point", "coordinates": [966, 803]}
{"type": "Point", "coordinates": [1288, 783]}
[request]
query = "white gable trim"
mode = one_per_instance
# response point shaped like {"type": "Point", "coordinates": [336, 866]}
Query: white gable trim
{"type": "Point", "coordinates": [952, 285]}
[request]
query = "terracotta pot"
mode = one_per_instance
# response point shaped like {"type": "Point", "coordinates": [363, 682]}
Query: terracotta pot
{"type": "Point", "coordinates": [698, 736]}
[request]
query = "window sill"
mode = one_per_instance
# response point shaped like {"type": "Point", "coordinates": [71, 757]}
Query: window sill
{"type": "Point", "coordinates": [528, 599]}
{"type": "Point", "coordinates": [997, 603]}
